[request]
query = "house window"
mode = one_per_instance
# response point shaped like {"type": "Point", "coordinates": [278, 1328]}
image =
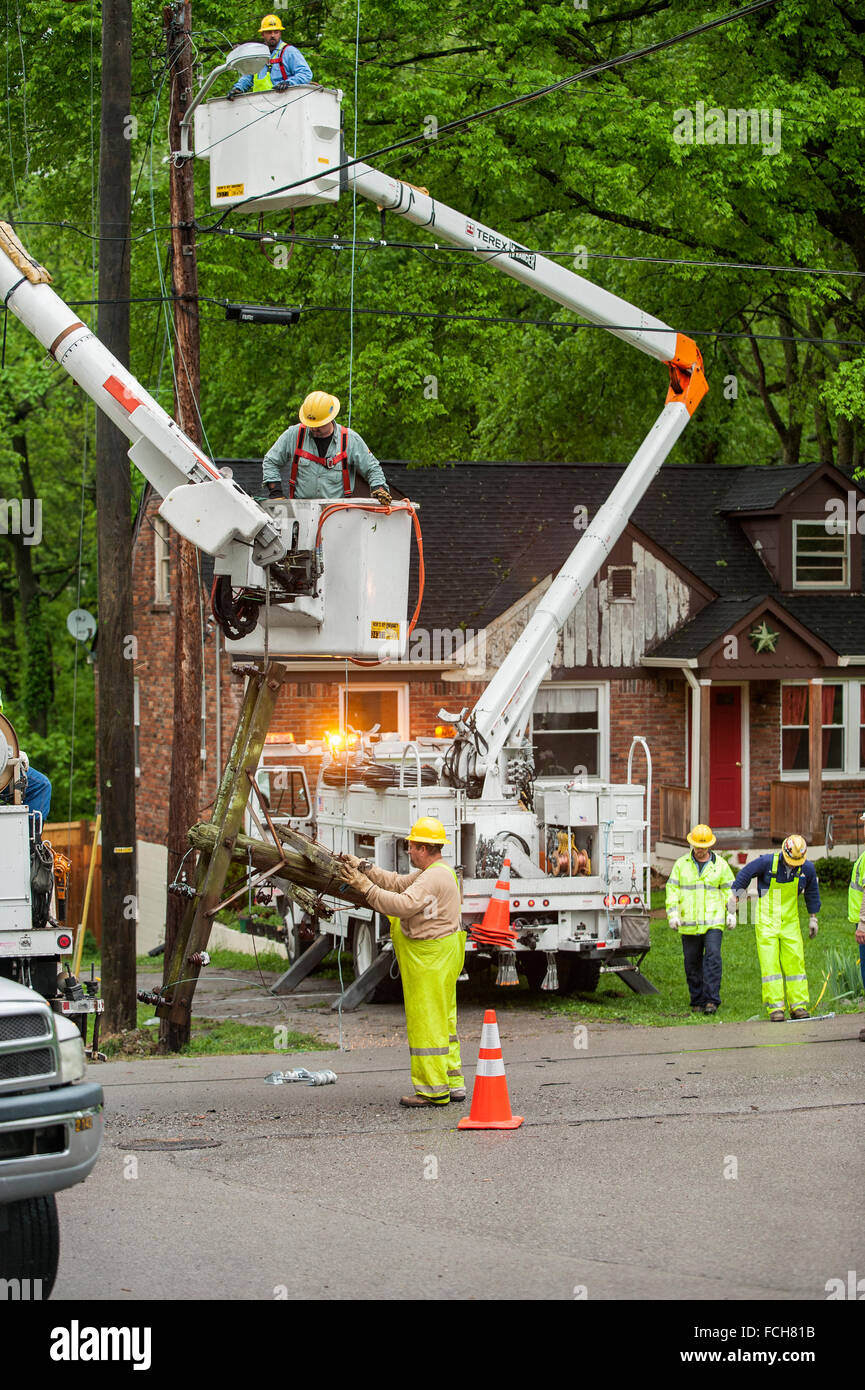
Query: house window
{"type": "Point", "coordinates": [570, 731]}
{"type": "Point", "coordinates": [162, 561]}
{"type": "Point", "coordinates": [621, 579]}
{"type": "Point", "coordinates": [821, 556]}
{"type": "Point", "coordinates": [364, 706]}
{"type": "Point", "coordinates": [840, 703]}
{"type": "Point", "coordinates": [136, 724]}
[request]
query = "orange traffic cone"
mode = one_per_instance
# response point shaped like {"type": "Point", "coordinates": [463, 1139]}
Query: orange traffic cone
{"type": "Point", "coordinates": [495, 929]}
{"type": "Point", "coordinates": [491, 1107]}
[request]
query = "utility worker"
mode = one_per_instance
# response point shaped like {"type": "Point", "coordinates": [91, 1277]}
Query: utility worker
{"type": "Point", "coordinates": [697, 892]}
{"type": "Point", "coordinates": [856, 911]}
{"type": "Point", "coordinates": [286, 66]}
{"type": "Point", "coordinates": [781, 877]}
{"type": "Point", "coordinates": [429, 944]}
{"type": "Point", "coordinates": [323, 459]}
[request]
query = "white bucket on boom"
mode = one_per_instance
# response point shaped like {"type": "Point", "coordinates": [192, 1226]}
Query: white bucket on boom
{"type": "Point", "coordinates": [262, 140]}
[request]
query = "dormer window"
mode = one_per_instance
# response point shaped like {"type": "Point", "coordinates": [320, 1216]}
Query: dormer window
{"type": "Point", "coordinates": [821, 555]}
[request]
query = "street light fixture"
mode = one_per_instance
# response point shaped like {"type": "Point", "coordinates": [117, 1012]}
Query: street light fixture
{"type": "Point", "coordinates": [246, 59]}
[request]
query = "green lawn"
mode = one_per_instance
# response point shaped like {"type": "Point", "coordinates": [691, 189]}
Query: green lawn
{"type": "Point", "coordinates": [211, 1037]}
{"type": "Point", "coordinates": [613, 1002]}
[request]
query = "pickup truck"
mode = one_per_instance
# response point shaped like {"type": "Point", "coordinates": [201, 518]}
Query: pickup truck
{"type": "Point", "coordinates": [50, 1135]}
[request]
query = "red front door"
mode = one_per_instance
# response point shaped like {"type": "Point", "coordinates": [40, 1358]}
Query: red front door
{"type": "Point", "coordinates": [725, 757]}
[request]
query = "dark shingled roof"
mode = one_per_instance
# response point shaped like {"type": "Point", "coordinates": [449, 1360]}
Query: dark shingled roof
{"type": "Point", "coordinates": [492, 531]}
{"type": "Point", "coordinates": [759, 489]}
{"type": "Point", "coordinates": [712, 622]}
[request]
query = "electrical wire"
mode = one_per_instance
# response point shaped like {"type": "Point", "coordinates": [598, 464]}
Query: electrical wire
{"type": "Point", "coordinates": [23, 92]}
{"type": "Point", "coordinates": [353, 224]}
{"type": "Point", "coordinates": [334, 243]}
{"type": "Point", "coordinates": [9, 117]}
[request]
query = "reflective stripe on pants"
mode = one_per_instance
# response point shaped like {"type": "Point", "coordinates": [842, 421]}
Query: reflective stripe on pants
{"type": "Point", "coordinates": [429, 971]}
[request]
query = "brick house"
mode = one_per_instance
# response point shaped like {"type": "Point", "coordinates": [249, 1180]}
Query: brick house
{"type": "Point", "coordinates": [727, 627]}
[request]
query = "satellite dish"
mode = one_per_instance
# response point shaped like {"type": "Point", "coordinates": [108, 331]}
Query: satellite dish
{"type": "Point", "coordinates": [81, 625]}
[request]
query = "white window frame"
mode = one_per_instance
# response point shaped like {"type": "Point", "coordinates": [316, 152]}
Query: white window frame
{"type": "Point", "coordinates": [603, 690]}
{"type": "Point", "coordinates": [851, 770]}
{"type": "Point", "coordinates": [401, 691]}
{"type": "Point", "coordinates": [838, 528]}
{"type": "Point", "coordinates": [136, 724]}
{"type": "Point", "coordinates": [161, 561]}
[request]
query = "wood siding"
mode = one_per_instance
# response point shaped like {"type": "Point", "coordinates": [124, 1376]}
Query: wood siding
{"type": "Point", "coordinates": [602, 632]}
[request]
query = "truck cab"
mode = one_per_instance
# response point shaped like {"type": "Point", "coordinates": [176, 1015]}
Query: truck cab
{"type": "Point", "coordinates": [50, 1134]}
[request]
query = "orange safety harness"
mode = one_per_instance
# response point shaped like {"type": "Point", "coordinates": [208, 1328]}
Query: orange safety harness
{"type": "Point", "coordinates": [341, 456]}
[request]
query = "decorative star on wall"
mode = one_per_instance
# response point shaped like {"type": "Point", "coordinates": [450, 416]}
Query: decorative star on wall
{"type": "Point", "coordinates": [762, 638]}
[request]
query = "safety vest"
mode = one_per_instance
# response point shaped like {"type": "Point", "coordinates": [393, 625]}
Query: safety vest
{"type": "Point", "coordinates": [699, 898]}
{"type": "Point", "coordinates": [265, 84]}
{"type": "Point", "coordinates": [778, 907]}
{"type": "Point", "coordinates": [341, 456]}
{"type": "Point", "coordinates": [856, 889]}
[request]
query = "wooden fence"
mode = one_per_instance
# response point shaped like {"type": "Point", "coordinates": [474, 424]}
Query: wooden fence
{"type": "Point", "coordinates": [674, 813]}
{"type": "Point", "coordinates": [75, 840]}
{"type": "Point", "coordinates": [789, 809]}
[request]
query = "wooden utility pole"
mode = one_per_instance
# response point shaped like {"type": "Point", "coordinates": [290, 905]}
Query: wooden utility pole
{"type": "Point", "coordinates": [114, 537]}
{"type": "Point", "coordinates": [185, 757]}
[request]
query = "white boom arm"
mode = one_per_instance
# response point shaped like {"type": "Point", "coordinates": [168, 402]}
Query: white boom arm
{"type": "Point", "coordinates": [209, 510]}
{"type": "Point", "coordinates": [501, 712]}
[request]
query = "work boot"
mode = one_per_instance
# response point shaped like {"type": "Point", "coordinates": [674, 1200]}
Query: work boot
{"type": "Point", "coordinates": [412, 1101]}
{"type": "Point", "coordinates": [800, 1013]}
{"type": "Point", "coordinates": [710, 1009]}
{"type": "Point", "coordinates": [459, 1094]}
{"type": "Point", "coordinates": [777, 1016]}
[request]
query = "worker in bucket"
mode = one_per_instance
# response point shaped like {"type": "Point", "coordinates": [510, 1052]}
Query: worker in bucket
{"type": "Point", "coordinates": [781, 878]}
{"type": "Point", "coordinates": [429, 944]}
{"type": "Point", "coordinates": [697, 893]}
{"type": "Point", "coordinates": [286, 66]}
{"type": "Point", "coordinates": [856, 912]}
{"type": "Point", "coordinates": [323, 459]}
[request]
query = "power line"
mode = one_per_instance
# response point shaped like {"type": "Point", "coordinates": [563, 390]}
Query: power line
{"type": "Point", "coordinates": [336, 243]}
{"type": "Point", "coordinates": [535, 95]}
{"type": "Point", "coordinates": [519, 320]}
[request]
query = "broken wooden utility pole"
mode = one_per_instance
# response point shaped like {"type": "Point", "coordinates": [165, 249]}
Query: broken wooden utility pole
{"type": "Point", "coordinates": [185, 757]}
{"type": "Point", "coordinates": [114, 537]}
{"type": "Point", "coordinates": [183, 966]}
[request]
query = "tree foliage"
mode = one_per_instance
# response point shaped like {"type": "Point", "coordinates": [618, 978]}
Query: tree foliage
{"type": "Point", "coordinates": [444, 359]}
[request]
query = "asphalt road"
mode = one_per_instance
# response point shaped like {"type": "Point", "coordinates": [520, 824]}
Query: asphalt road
{"type": "Point", "coordinates": [684, 1163]}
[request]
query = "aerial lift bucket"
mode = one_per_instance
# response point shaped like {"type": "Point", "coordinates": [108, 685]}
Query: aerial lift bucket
{"type": "Point", "coordinates": [261, 141]}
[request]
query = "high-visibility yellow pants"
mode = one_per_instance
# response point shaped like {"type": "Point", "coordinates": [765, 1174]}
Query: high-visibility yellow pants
{"type": "Point", "coordinates": [429, 971]}
{"type": "Point", "coordinates": [782, 967]}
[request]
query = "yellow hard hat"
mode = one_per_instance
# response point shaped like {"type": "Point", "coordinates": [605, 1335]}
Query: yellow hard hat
{"type": "Point", "coordinates": [701, 837]}
{"type": "Point", "coordinates": [428, 831]}
{"type": "Point", "coordinates": [317, 409]}
{"type": "Point", "coordinates": [270, 21]}
{"type": "Point", "coordinates": [794, 850]}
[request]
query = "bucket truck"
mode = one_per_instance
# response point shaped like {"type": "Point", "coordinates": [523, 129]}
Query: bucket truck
{"type": "Point", "coordinates": [293, 568]}
{"type": "Point", "coordinates": [579, 849]}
